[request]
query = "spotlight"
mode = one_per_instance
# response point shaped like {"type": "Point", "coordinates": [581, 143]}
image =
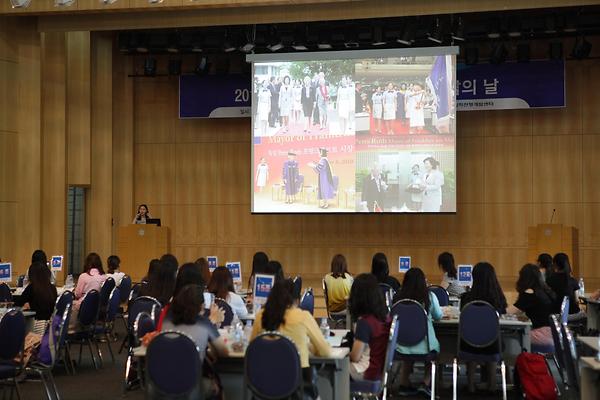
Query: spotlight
{"type": "Point", "coordinates": [155, 1]}
{"type": "Point", "coordinates": [498, 55]}
{"type": "Point", "coordinates": [248, 47]}
{"type": "Point", "coordinates": [408, 36]}
{"type": "Point", "coordinates": [108, 1]}
{"type": "Point", "coordinates": [63, 3]}
{"type": "Point", "coordinates": [275, 46]}
{"type": "Point", "coordinates": [228, 47]}
{"type": "Point", "coordinates": [581, 49]}
{"type": "Point", "coordinates": [175, 67]}
{"type": "Point", "coordinates": [299, 47]}
{"type": "Point", "coordinates": [201, 66]}
{"type": "Point", "coordinates": [20, 3]}
{"type": "Point", "coordinates": [555, 50]}
{"type": "Point", "coordinates": [459, 31]}
{"type": "Point", "coordinates": [173, 45]}
{"type": "Point", "coordinates": [435, 35]}
{"type": "Point", "coordinates": [378, 36]}
{"type": "Point", "coordinates": [471, 55]}
{"type": "Point", "coordinates": [523, 52]}
{"type": "Point", "coordinates": [150, 66]}
{"type": "Point", "coordinates": [494, 29]}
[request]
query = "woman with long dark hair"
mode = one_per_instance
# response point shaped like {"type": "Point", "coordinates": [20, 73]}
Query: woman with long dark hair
{"type": "Point", "coordinates": [93, 276]}
{"type": "Point", "coordinates": [281, 313]}
{"type": "Point", "coordinates": [564, 285]}
{"type": "Point", "coordinates": [544, 262]}
{"type": "Point", "coordinates": [40, 295]}
{"type": "Point", "coordinates": [221, 285]}
{"type": "Point", "coordinates": [338, 284]}
{"type": "Point", "coordinates": [162, 284]}
{"type": "Point", "coordinates": [414, 287]}
{"type": "Point", "coordinates": [259, 263]}
{"type": "Point", "coordinates": [143, 213]}
{"type": "Point", "coordinates": [113, 263]}
{"type": "Point", "coordinates": [536, 300]}
{"type": "Point", "coordinates": [450, 278]}
{"type": "Point", "coordinates": [381, 269]}
{"type": "Point", "coordinates": [367, 307]}
{"type": "Point", "coordinates": [203, 265]}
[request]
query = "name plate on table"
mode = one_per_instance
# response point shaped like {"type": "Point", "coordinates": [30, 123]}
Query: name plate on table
{"type": "Point", "coordinates": [5, 272]}
{"type": "Point", "coordinates": [235, 268]}
{"type": "Point", "coordinates": [403, 264]}
{"type": "Point", "coordinates": [262, 287]}
{"type": "Point", "coordinates": [465, 275]}
{"type": "Point", "coordinates": [212, 263]}
{"type": "Point", "coordinates": [56, 263]}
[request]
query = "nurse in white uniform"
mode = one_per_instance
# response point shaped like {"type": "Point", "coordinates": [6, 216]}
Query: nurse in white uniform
{"type": "Point", "coordinates": [433, 180]}
{"type": "Point", "coordinates": [286, 101]}
{"type": "Point", "coordinates": [263, 108]}
{"type": "Point", "coordinates": [377, 100]}
{"type": "Point", "coordinates": [389, 108]}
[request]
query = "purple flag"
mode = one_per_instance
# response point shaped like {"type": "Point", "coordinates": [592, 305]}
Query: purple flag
{"type": "Point", "coordinates": [438, 80]}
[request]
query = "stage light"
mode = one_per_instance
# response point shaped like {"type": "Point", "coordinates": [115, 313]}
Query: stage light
{"type": "Point", "coordinates": [436, 34]}
{"type": "Point", "coordinates": [378, 36]}
{"type": "Point", "coordinates": [228, 47]}
{"type": "Point", "coordinates": [108, 1]}
{"type": "Point", "coordinates": [150, 66]}
{"type": "Point", "coordinates": [155, 1]}
{"type": "Point", "coordinates": [248, 47]}
{"type": "Point", "coordinates": [20, 3]}
{"type": "Point", "coordinates": [201, 66]}
{"type": "Point", "coordinates": [523, 52]}
{"type": "Point", "coordinates": [582, 48]}
{"type": "Point", "coordinates": [175, 67]}
{"type": "Point", "coordinates": [555, 50]}
{"type": "Point", "coordinates": [471, 55]}
{"type": "Point", "coordinates": [498, 55]}
{"type": "Point", "coordinates": [275, 46]}
{"type": "Point", "coordinates": [299, 47]}
{"type": "Point", "coordinates": [459, 31]}
{"type": "Point", "coordinates": [173, 46]}
{"type": "Point", "coordinates": [63, 3]}
{"type": "Point", "coordinates": [408, 36]}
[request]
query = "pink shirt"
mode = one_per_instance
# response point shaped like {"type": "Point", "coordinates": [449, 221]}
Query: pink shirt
{"type": "Point", "coordinates": [87, 282]}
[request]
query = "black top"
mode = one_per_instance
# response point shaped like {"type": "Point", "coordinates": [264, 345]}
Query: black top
{"type": "Point", "coordinates": [393, 282]}
{"type": "Point", "coordinates": [468, 297]}
{"type": "Point", "coordinates": [564, 285]}
{"type": "Point", "coordinates": [537, 306]}
{"type": "Point", "coordinates": [43, 309]}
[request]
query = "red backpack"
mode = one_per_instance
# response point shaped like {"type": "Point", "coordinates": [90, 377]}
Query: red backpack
{"type": "Point", "coordinates": [534, 377]}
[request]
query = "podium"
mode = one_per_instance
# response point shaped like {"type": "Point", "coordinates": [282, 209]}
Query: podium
{"type": "Point", "coordinates": [552, 239]}
{"type": "Point", "coordinates": [138, 244]}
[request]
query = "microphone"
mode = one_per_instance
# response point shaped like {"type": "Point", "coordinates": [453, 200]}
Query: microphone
{"type": "Point", "coordinates": [553, 212]}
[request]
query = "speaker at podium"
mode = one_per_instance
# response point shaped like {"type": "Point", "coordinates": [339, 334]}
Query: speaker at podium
{"type": "Point", "coordinates": [137, 244]}
{"type": "Point", "coordinates": [552, 239]}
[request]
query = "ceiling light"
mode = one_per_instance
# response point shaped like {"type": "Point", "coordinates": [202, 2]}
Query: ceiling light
{"type": "Point", "coordinates": [436, 32]}
{"type": "Point", "coordinates": [299, 47]}
{"type": "Point", "coordinates": [459, 31]}
{"type": "Point", "coordinates": [248, 47]}
{"type": "Point", "coordinates": [108, 1]}
{"type": "Point", "coordinates": [324, 46]}
{"type": "Point", "coordinates": [228, 47]}
{"type": "Point", "coordinates": [378, 36]}
{"type": "Point", "coordinates": [20, 3]}
{"type": "Point", "coordinates": [408, 37]}
{"type": "Point", "coordinates": [150, 66]}
{"type": "Point", "coordinates": [275, 47]}
{"type": "Point", "coordinates": [582, 48]}
{"type": "Point", "coordinates": [63, 3]}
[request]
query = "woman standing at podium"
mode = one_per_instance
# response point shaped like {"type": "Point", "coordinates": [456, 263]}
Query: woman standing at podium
{"type": "Point", "coordinates": [142, 215]}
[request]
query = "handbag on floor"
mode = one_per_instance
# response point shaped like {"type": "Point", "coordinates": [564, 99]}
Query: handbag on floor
{"type": "Point", "coordinates": [533, 376]}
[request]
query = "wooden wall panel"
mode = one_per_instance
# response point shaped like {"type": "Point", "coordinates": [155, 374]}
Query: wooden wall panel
{"type": "Point", "coordinates": [590, 97]}
{"type": "Point", "coordinates": [9, 48]}
{"type": "Point", "coordinates": [54, 145]}
{"type": "Point", "coordinates": [8, 161]}
{"type": "Point", "coordinates": [99, 223]}
{"type": "Point", "coordinates": [154, 174]}
{"type": "Point", "coordinates": [232, 174]}
{"type": "Point", "coordinates": [508, 169]}
{"type": "Point", "coordinates": [196, 173]}
{"type": "Point", "coordinates": [78, 108]}
{"type": "Point", "coordinates": [470, 169]}
{"type": "Point", "coordinates": [506, 224]}
{"type": "Point", "coordinates": [590, 171]}
{"type": "Point", "coordinates": [156, 107]}
{"type": "Point", "coordinates": [508, 123]}
{"type": "Point", "coordinates": [8, 88]}
{"type": "Point", "coordinates": [195, 224]}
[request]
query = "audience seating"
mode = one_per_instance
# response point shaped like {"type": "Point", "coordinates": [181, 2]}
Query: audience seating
{"type": "Point", "coordinates": [87, 319]}
{"type": "Point", "coordinates": [413, 329]}
{"type": "Point", "coordinates": [105, 291]}
{"type": "Point", "coordinates": [272, 368]}
{"type": "Point", "coordinates": [373, 389]}
{"type": "Point", "coordinates": [571, 359]}
{"type": "Point", "coordinates": [388, 294]}
{"type": "Point", "coordinates": [479, 327]}
{"type": "Point", "coordinates": [64, 302]}
{"type": "Point", "coordinates": [336, 319]}
{"type": "Point", "coordinates": [227, 311]}
{"type": "Point", "coordinates": [564, 310]}
{"type": "Point", "coordinates": [307, 302]}
{"type": "Point", "coordinates": [441, 294]}
{"type": "Point", "coordinates": [106, 326]}
{"type": "Point", "coordinates": [5, 294]}
{"type": "Point", "coordinates": [173, 369]}
{"type": "Point", "coordinates": [297, 284]}
{"type": "Point", "coordinates": [559, 352]}
{"type": "Point", "coordinates": [12, 338]}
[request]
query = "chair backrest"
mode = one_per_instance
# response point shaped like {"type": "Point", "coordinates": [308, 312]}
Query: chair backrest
{"type": "Point", "coordinates": [297, 284]}
{"type": "Point", "coordinates": [441, 294]}
{"type": "Point", "coordinates": [143, 303]}
{"type": "Point", "coordinates": [105, 291]}
{"type": "Point", "coordinates": [272, 367]}
{"type": "Point", "coordinates": [307, 302]}
{"type": "Point", "coordinates": [412, 322]}
{"type": "Point", "coordinates": [20, 280]}
{"type": "Point", "coordinates": [564, 310]}
{"type": "Point", "coordinates": [88, 311]}
{"type": "Point", "coordinates": [12, 334]}
{"type": "Point", "coordinates": [227, 311]}
{"type": "Point", "coordinates": [388, 293]}
{"type": "Point", "coordinates": [5, 294]}
{"type": "Point", "coordinates": [173, 368]}
{"type": "Point", "coordinates": [570, 357]}
{"type": "Point", "coordinates": [125, 288]}
{"type": "Point", "coordinates": [64, 300]}
{"type": "Point", "coordinates": [479, 325]}
{"type": "Point", "coordinates": [144, 323]}
{"type": "Point", "coordinates": [391, 348]}
{"type": "Point", "coordinates": [55, 336]}
{"type": "Point", "coordinates": [558, 341]}
{"type": "Point", "coordinates": [114, 301]}
{"type": "Point", "coordinates": [135, 291]}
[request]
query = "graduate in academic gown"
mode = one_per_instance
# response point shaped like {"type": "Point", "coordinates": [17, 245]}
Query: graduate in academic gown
{"type": "Point", "coordinates": [325, 177]}
{"type": "Point", "coordinates": [291, 179]}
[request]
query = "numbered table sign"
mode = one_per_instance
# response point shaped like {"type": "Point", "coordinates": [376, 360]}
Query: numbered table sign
{"type": "Point", "coordinates": [212, 263]}
{"type": "Point", "coordinates": [235, 268]}
{"type": "Point", "coordinates": [465, 275]}
{"type": "Point", "coordinates": [262, 287]}
{"type": "Point", "coordinates": [403, 263]}
{"type": "Point", "coordinates": [56, 263]}
{"type": "Point", "coordinates": [5, 272]}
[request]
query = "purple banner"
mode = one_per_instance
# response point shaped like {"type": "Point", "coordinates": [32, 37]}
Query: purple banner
{"type": "Point", "coordinates": [536, 84]}
{"type": "Point", "coordinates": [214, 96]}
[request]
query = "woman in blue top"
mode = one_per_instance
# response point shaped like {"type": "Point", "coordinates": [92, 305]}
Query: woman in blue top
{"type": "Point", "coordinates": [414, 286]}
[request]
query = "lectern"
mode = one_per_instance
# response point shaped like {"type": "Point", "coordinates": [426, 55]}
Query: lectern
{"type": "Point", "coordinates": [138, 244]}
{"type": "Point", "coordinates": [552, 239]}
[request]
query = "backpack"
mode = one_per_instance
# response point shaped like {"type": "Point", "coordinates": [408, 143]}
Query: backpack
{"type": "Point", "coordinates": [534, 378]}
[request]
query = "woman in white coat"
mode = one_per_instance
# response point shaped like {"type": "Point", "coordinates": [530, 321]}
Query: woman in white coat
{"type": "Point", "coordinates": [433, 180]}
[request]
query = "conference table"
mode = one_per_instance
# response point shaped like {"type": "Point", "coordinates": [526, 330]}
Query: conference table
{"type": "Point", "coordinates": [593, 312]}
{"type": "Point", "coordinates": [333, 371]}
{"type": "Point", "coordinates": [589, 369]}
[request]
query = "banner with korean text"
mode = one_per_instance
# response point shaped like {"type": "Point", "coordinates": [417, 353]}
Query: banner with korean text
{"type": "Point", "coordinates": [535, 84]}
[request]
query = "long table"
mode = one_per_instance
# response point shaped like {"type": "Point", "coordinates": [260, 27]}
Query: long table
{"type": "Point", "coordinates": [593, 313]}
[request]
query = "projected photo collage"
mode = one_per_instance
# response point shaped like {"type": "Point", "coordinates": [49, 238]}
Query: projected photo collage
{"type": "Point", "coordinates": [354, 135]}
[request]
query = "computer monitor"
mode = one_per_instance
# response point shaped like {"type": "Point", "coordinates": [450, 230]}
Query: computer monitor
{"type": "Point", "coordinates": [155, 221]}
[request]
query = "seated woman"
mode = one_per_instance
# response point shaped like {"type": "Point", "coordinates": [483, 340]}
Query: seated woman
{"type": "Point", "coordinates": [161, 283]}
{"type": "Point", "coordinates": [204, 270]}
{"type": "Point", "coordinates": [113, 263]}
{"type": "Point", "coordinates": [185, 316]}
{"type": "Point", "coordinates": [487, 288]}
{"type": "Point", "coordinates": [450, 278]}
{"type": "Point", "coordinates": [414, 286]}
{"type": "Point", "coordinates": [281, 313]}
{"type": "Point", "coordinates": [92, 278]}
{"type": "Point", "coordinates": [40, 295]}
{"type": "Point", "coordinates": [221, 285]}
{"type": "Point", "coordinates": [544, 262]}
{"type": "Point", "coordinates": [338, 282]}
{"type": "Point", "coordinates": [367, 307]}
{"type": "Point", "coordinates": [274, 268]}
{"type": "Point", "coordinates": [536, 300]}
{"type": "Point", "coordinates": [380, 268]}
{"type": "Point", "coordinates": [564, 285]}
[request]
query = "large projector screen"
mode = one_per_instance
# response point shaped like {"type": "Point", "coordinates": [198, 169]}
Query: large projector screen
{"type": "Point", "coordinates": [354, 131]}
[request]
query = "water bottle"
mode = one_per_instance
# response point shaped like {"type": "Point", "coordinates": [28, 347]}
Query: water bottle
{"type": "Point", "coordinates": [247, 332]}
{"type": "Point", "coordinates": [581, 288]}
{"type": "Point", "coordinates": [25, 280]}
{"type": "Point", "coordinates": [53, 278]}
{"type": "Point", "coordinates": [324, 328]}
{"type": "Point", "coordinates": [69, 282]}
